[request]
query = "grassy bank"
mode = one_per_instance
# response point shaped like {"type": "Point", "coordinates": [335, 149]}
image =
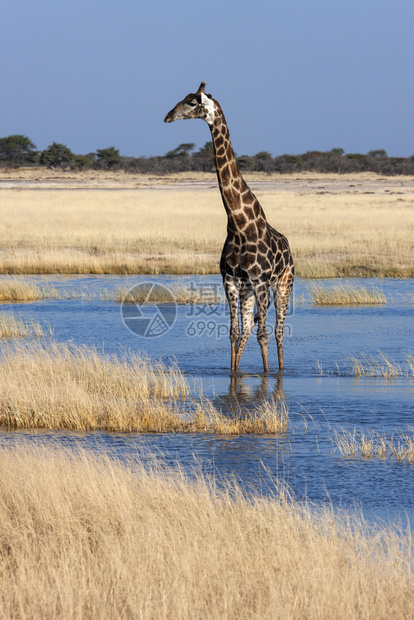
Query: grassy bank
{"type": "Point", "coordinates": [63, 386]}
{"type": "Point", "coordinates": [75, 388]}
{"type": "Point", "coordinates": [14, 289]}
{"type": "Point", "coordinates": [346, 295]}
{"type": "Point", "coordinates": [337, 226]}
{"type": "Point", "coordinates": [88, 537]}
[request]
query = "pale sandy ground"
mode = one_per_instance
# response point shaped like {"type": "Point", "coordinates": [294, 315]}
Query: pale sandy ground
{"type": "Point", "coordinates": [318, 183]}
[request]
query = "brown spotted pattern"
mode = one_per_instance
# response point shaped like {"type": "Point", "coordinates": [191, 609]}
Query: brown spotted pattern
{"type": "Point", "coordinates": [255, 257]}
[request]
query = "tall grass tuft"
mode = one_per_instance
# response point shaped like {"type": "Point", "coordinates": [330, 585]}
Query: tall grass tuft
{"type": "Point", "coordinates": [18, 289]}
{"type": "Point", "coordinates": [370, 444]}
{"type": "Point", "coordinates": [267, 418]}
{"type": "Point", "coordinates": [84, 536]}
{"type": "Point", "coordinates": [14, 289]}
{"type": "Point", "coordinates": [345, 295]}
{"type": "Point", "coordinates": [12, 327]}
{"type": "Point", "coordinates": [381, 366]}
{"type": "Point", "coordinates": [368, 365]}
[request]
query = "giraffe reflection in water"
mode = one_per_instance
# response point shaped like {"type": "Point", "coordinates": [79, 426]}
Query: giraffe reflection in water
{"type": "Point", "coordinates": [244, 392]}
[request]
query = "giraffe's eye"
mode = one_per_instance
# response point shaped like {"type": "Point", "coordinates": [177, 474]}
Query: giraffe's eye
{"type": "Point", "coordinates": [193, 102]}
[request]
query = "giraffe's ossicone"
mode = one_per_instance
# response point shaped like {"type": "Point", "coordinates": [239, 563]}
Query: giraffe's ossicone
{"type": "Point", "coordinates": [255, 257]}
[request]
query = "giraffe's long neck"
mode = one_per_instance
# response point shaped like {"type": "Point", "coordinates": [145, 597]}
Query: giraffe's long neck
{"type": "Point", "coordinates": [237, 196]}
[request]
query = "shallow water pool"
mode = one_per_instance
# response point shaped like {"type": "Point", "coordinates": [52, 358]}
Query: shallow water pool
{"type": "Point", "coordinates": [316, 338]}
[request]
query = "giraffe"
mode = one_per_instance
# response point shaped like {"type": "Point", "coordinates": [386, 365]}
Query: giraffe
{"type": "Point", "coordinates": [255, 257]}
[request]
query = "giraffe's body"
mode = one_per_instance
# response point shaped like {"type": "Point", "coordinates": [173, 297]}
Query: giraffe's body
{"type": "Point", "coordinates": [255, 258]}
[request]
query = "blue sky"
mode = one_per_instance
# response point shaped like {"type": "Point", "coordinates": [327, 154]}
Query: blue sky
{"type": "Point", "coordinates": [291, 75]}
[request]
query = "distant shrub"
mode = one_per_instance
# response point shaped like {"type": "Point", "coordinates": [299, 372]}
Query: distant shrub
{"type": "Point", "coordinates": [17, 150]}
{"type": "Point", "coordinates": [378, 153]}
{"type": "Point", "coordinates": [82, 162]}
{"type": "Point", "coordinates": [108, 158]}
{"type": "Point", "coordinates": [56, 155]}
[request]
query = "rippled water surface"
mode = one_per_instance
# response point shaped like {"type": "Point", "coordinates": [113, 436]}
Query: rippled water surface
{"type": "Point", "coordinates": [317, 337]}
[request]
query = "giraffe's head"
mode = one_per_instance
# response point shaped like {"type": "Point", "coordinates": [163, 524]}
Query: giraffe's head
{"type": "Point", "coordinates": [195, 105]}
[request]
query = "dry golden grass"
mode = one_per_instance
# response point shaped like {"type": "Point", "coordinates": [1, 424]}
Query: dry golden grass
{"type": "Point", "coordinates": [370, 444]}
{"type": "Point", "coordinates": [72, 261]}
{"type": "Point", "coordinates": [64, 386]}
{"type": "Point", "coordinates": [358, 226]}
{"type": "Point", "coordinates": [267, 418]}
{"type": "Point", "coordinates": [181, 294]}
{"type": "Point", "coordinates": [368, 365]}
{"type": "Point", "coordinates": [106, 232]}
{"type": "Point", "coordinates": [14, 289]}
{"type": "Point", "coordinates": [70, 387]}
{"type": "Point", "coordinates": [345, 295]}
{"type": "Point", "coordinates": [18, 289]}
{"type": "Point", "coordinates": [84, 536]}
{"type": "Point", "coordinates": [381, 366]}
{"type": "Point", "coordinates": [12, 327]}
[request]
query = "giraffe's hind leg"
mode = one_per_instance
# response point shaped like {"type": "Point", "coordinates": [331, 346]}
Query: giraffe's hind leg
{"type": "Point", "coordinates": [247, 303]}
{"type": "Point", "coordinates": [262, 301]}
{"type": "Point", "coordinates": [281, 294]}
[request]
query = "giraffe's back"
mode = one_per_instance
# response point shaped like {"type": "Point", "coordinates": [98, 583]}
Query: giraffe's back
{"type": "Point", "coordinates": [282, 255]}
{"type": "Point", "coordinates": [265, 258]}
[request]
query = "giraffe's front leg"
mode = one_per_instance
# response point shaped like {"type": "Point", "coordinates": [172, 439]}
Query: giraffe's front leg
{"type": "Point", "coordinates": [247, 303]}
{"type": "Point", "coordinates": [232, 295]}
{"type": "Point", "coordinates": [262, 301]}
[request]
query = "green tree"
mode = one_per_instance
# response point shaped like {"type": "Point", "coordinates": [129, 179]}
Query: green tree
{"type": "Point", "coordinates": [354, 156]}
{"type": "Point", "coordinates": [378, 153]}
{"type": "Point", "coordinates": [263, 161]}
{"type": "Point", "coordinates": [263, 156]}
{"type": "Point", "coordinates": [84, 161]}
{"type": "Point", "coordinates": [245, 162]}
{"type": "Point", "coordinates": [207, 149]}
{"type": "Point", "coordinates": [204, 158]}
{"type": "Point", "coordinates": [17, 150]}
{"type": "Point", "coordinates": [337, 151]}
{"type": "Point", "coordinates": [183, 150]}
{"type": "Point", "coordinates": [55, 155]}
{"type": "Point", "coordinates": [108, 158]}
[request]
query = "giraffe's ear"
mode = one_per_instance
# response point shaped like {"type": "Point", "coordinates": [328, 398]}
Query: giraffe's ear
{"type": "Point", "coordinates": [201, 89]}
